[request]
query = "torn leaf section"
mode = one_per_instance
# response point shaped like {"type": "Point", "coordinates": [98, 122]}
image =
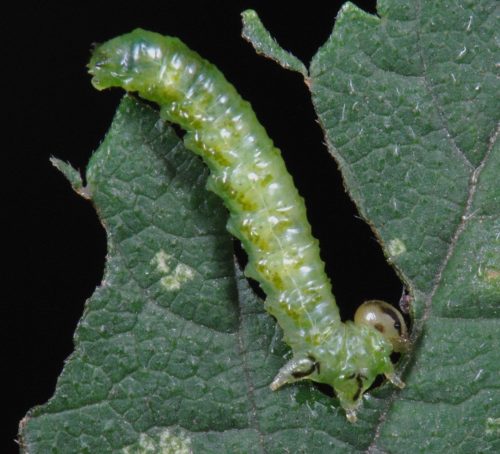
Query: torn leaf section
{"type": "Point", "coordinates": [255, 33]}
{"type": "Point", "coordinates": [410, 112]}
{"type": "Point", "coordinates": [73, 176]}
{"type": "Point", "coordinates": [394, 103]}
{"type": "Point", "coordinates": [150, 364]}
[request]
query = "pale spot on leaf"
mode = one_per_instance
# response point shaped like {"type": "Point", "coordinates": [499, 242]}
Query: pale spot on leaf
{"type": "Point", "coordinates": [172, 279]}
{"type": "Point", "coordinates": [165, 443]}
{"type": "Point", "coordinates": [396, 247]}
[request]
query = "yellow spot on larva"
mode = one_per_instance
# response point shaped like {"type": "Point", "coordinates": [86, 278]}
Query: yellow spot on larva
{"type": "Point", "coordinates": [266, 180]}
{"type": "Point", "coordinates": [237, 196]}
{"type": "Point", "coordinates": [251, 237]}
{"type": "Point", "coordinates": [172, 279]}
{"type": "Point", "coordinates": [270, 276]}
{"type": "Point", "coordinates": [293, 313]}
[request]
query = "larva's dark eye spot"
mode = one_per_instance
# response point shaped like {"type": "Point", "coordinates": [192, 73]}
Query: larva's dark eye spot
{"type": "Point", "coordinates": [305, 368]}
{"type": "Point", "coordinates": [387, 320]}
{"type": "Point", "coordinates": [303, 374]}
{"type": "Point", "coordinates": [379, 327]}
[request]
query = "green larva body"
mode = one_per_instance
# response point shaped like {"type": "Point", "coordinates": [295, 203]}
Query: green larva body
{"type": "Point", "coordinates": [266, 212]}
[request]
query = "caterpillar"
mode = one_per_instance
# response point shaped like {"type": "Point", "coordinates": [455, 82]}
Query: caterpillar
{"type": "Point", "coordinates": [266, 213]}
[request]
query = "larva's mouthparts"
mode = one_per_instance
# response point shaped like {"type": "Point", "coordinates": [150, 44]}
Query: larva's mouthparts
{"type": "Point", "coordinates": [105, 67]}
{"type": "Point", "coordinates": [98, 65]}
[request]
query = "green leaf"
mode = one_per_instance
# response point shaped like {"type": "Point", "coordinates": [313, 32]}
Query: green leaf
{"type": "Point", "coordinates": [409, 104]}
{"type": "Point", "coordinates": [255, 33]}
{"type": "Point", "coordinates": [175, 353]}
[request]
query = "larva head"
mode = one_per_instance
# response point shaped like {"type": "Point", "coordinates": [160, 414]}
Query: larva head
{"type": "Point", "coordinates": [387, 320]}
{"type": "Point", "coordinates": [129, 61]}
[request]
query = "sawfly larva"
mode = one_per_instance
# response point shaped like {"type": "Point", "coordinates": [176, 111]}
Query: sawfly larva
{"type": "Point", "coordinates": [266, 214]}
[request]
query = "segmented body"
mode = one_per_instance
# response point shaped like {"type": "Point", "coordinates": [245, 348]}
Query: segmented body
{"type": "Point", "coordinates": [266, 212]}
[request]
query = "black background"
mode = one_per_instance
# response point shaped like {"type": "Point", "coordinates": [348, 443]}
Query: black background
{"type": "Point", "coordinates": [54, 244]}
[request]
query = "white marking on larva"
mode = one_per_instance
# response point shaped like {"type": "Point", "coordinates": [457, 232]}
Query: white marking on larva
{"type": "Point", "coordinates": [176, 61]}
{"type": "Point", "coordinates": [208, 86]}
{"type": "Point", "coordinates": [154, 52]}
{"type": "Point", "coordinates": [172, 280]}
{"type": "Point", "coordinates": [462, 52]}
{"type": "Point", "coordinates": [252, 176]}
{"type": "Point", "coordinates": [274, 186]}
{"type": "Point", "coordinates": [396, 247]}
{"type": "Point", "coordinates": [249, 139]}
{"type": "Point", "coordinates": [136, 52]}
{"type": "Point", "coordinates": [163, 69]}
{"type": "Point", "coordinates": [165, 443]}
{"type": "Point", "coordinates": [305, 270]}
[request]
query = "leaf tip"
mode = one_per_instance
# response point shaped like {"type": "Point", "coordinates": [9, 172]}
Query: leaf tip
{"type": "Point", "coordinates": [264, 43]}
{"type": "Point", "coordinates": [72, 175]}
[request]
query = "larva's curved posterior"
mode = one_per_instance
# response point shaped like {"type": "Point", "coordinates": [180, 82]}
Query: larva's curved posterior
{"type": "Point", "coordinates": [266, 212]}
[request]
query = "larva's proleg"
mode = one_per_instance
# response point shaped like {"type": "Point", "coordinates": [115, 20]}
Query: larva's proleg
{"type": "Point", "coordinates": [266, 212]}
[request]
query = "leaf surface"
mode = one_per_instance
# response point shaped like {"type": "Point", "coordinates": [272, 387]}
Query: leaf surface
{"type": "Point", "coordinates": [175, 352]}
{"type": "Point", "coordinates": [409, 104]}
